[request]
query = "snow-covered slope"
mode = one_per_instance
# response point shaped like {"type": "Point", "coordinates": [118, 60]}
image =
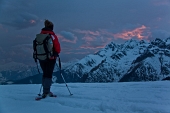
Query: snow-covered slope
{"type": "Point", "coordinates": [125, 97]}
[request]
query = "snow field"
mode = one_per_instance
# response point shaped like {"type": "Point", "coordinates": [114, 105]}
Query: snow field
{"type": "Point", "coordinates": [125, 97]}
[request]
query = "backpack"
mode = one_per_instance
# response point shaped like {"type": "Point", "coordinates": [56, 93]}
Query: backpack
{"type": "Point", "coordinates": [43, 47]}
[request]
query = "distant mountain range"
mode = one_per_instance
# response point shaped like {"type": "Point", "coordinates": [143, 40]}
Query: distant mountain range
{"type": "Point", "coordinates": [15, 71]}
{"type": "Point", "coordinates": [132, 61]}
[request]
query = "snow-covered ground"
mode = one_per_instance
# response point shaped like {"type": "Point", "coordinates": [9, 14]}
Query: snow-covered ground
{"type": "Point", "coordinates": [129, 97]}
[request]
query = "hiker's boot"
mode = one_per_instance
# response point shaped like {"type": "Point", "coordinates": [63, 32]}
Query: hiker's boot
{"type": "Point", "coordinates": [44, 95]}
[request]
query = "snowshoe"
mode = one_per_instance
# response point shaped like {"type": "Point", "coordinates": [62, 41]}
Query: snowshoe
{"type": "Point", "coordinates": [44, 95]}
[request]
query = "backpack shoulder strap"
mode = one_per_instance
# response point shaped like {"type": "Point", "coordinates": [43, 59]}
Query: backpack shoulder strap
{"type": "Point", "coordinates": [35, 50]}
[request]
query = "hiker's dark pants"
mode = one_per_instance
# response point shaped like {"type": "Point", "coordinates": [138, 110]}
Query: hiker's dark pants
{"type": "Point", "coordinates": [47, 67]}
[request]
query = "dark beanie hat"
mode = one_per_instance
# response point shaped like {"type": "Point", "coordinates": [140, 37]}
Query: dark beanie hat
{"type": "Point", "coordinates": [48, 24]}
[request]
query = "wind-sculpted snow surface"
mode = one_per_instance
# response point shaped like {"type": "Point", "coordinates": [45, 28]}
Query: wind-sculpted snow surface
{"type": "Point", "coordinates": [124, 97]}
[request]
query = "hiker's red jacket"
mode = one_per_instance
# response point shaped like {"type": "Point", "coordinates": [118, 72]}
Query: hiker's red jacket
{"type": "Point", "coordinates": [56, 43]}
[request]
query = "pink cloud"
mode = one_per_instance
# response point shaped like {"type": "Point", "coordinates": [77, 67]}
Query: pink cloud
{"type": "Point", "coordinates": [32, 21]}
{"type": "Point", "coordinates": [98, 39]}
{"type": "Point", "coordinates": [89, 38]}
{"type": "Point", "coordinates": [140, 33]}
{"type": "Point", "coordinates": [94, 39]}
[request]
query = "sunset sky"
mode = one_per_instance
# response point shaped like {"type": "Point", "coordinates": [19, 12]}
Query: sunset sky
{"type": "Point", "coordinates": [82, 26]}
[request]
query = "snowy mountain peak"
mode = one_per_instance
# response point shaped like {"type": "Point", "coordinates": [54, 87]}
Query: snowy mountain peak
{"type": "Point", "coordinates": [123, 62]}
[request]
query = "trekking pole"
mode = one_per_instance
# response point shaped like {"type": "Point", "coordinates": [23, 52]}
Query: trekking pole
{"type": "Point", "coordinates": [39, 73]}
{"type": "Point", "coordinates": [62, 75]}
{"type": "Point", "coordinates": [40, 91]}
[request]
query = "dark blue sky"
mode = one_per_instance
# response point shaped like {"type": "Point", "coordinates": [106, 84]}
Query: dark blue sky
{"type": "Point", "coordinates": [82, 26]}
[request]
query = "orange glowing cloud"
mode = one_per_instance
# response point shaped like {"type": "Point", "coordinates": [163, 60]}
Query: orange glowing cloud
{"type": "Point", "coordinates": [138, 32]}
{"type": "Point", "coordinates": [98, 39]}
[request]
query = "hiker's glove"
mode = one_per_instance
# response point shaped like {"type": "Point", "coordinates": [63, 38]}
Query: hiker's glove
{"type": "Point", "coordinates": [56, 54]}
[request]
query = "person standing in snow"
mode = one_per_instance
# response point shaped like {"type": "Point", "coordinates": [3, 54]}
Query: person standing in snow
{"type": "Point", "coordinates": [49, 64]}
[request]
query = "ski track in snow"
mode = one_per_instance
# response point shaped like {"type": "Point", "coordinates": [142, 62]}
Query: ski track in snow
{"type": "Point", "coordinates": [125, 97]}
